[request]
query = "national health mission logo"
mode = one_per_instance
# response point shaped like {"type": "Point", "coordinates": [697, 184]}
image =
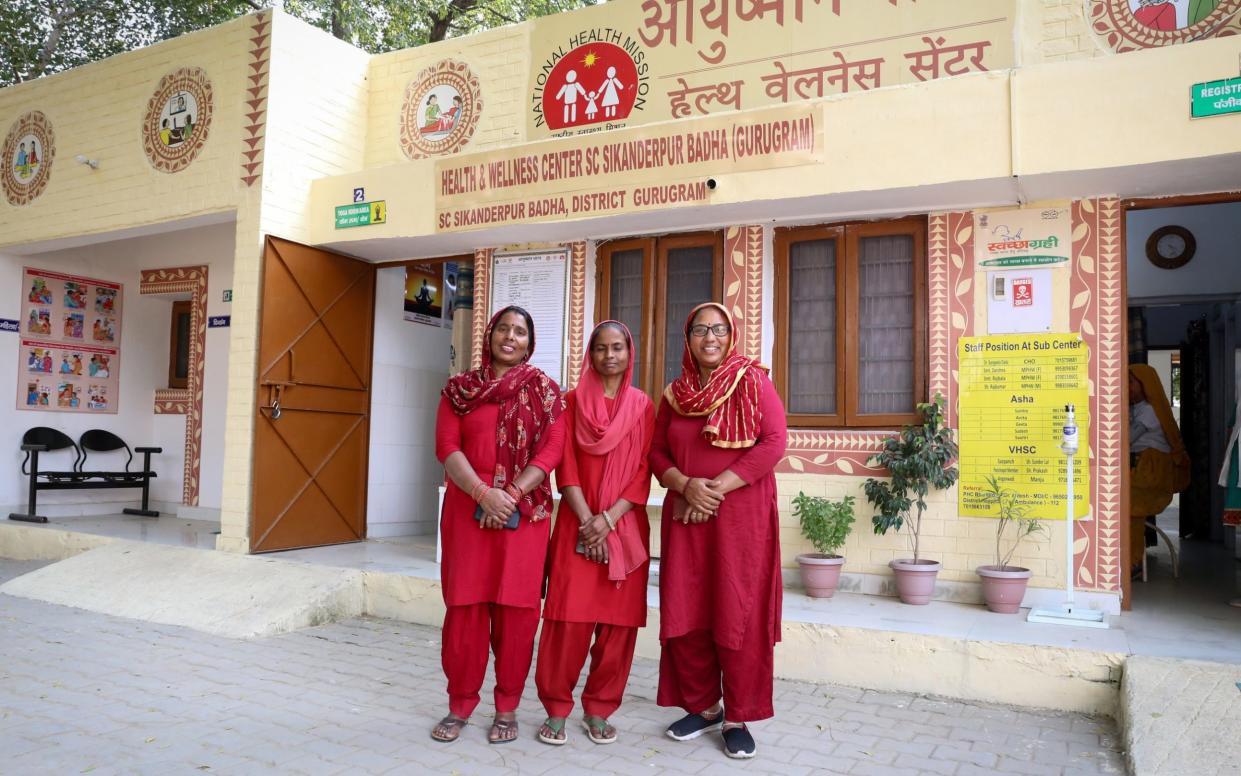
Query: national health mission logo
{"type": "Point", "coordinates": [600, 80]}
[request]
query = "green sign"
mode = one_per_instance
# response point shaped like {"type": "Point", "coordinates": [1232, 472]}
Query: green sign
{"type": "Point", "coordinates": [1215, 98]}
{"type": "Point", "coordinates": [361, 214]}
{"type": "Point", "coordinates": [1024, 261]}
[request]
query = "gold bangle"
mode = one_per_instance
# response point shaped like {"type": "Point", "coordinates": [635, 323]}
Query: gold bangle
{"type": "Point", "coordinates": [608, 519]}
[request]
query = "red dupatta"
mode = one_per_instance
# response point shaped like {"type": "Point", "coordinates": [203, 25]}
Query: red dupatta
{"type": "Point", "coordinates": [620, 436]}
{"type": "Point", "coordinates": [530, 402]}
{"type": "Point", "coordinates": [730, 398]}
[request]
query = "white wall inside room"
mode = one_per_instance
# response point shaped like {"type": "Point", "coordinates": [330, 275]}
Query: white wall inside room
{"type": "Point", "coordinates": [1216, 266]}
{"type": "Point", "coordinates": [144, 367]}
{"type": "Point", "coordinates": [410, 368]}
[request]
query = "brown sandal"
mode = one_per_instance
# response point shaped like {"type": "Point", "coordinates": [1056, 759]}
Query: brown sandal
{"type": "Point", "coordinates": [503, 731]}
{"type": "Point", "coordinates": [451, 726]}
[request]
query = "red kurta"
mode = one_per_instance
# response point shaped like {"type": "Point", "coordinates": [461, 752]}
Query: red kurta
{"type": "Point", "coordinates": [722, 575]}
{"type": "Point", "coordinates": [578, 590]}
{"type": "Point", "coordinates": [482, 565]}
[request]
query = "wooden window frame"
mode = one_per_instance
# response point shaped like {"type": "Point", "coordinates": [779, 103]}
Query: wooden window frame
{"type": "Point", "coordinates": [847, 291]}
{"type": "Point", "coordinates": [179, 309]}
{"type": "Point", "coordinates": [655, 252]}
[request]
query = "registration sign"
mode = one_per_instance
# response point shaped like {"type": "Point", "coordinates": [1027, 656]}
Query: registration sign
{"type": "Point", "coordinates": [1215, 98]}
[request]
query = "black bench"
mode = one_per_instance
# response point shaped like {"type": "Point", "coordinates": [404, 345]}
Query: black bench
{"type": "Point", "coordinates": [42, 439]}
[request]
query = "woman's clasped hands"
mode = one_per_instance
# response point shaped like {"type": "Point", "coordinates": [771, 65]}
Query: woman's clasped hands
{"type": "Point", "coordinates": [497, 506]}
{"type": "Point", "coordinates": [703, 497]}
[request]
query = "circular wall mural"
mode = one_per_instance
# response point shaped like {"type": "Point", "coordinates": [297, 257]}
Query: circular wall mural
{"type": "Point", "coordinates": [1128, 25]}
{"type": "Point", "coordinates": [28, 151]}
{"type": "Point", "coordinates": [440, 110]}
{"type": "Point", "coordinates": [177, 120]}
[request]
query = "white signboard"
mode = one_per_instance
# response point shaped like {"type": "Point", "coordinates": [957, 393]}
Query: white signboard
{"type": "Point", "coordinates": [539, 283]}
{"type": "Point", "coordinates": [1019, 301]}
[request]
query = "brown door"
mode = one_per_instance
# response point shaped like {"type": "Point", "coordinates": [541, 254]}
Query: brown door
{"type": "Point", "coordinates": [313, 414]}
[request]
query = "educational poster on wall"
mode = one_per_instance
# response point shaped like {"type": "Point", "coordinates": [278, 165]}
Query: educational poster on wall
{"type": "Point", "coordinates": [1016, 238]}
{"type": "Point", "coordinates": [1014, 389]}
{"type": "Point", "coordinates": [69, 359]}
{"type": "Point", "coordinates": [537, 282]}
{"type": "Point", "coordinates": [430, 293]}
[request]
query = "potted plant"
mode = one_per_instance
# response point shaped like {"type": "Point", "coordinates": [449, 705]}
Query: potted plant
{"type": "Point", "coordinates": [1003, 586]}
{"type": "Point", "coordinates": [826, 524]}
{"type": "Point", "coordinates": [918, 459]}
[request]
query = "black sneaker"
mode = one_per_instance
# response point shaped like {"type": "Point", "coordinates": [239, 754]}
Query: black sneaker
{"type": "Point", "coordinates": [738, 743]}
{"type": "Point", "coordinates": [691, 726]}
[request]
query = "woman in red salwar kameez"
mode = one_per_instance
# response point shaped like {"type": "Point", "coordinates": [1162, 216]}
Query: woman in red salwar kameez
{"type": "Point", "coordinates": [604, 481]}
{"type": "Point", "coordinates": [719, 433]}
{"type": "Point", "coordinates": [498, 434]}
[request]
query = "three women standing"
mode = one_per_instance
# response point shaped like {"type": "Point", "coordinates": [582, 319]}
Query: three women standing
{"type": "Point", "coordinates": [600, 547]}
{"type": "Point", "coordinates": [498, 433]}
{"type": "Point", "coordinates": [720, 431]}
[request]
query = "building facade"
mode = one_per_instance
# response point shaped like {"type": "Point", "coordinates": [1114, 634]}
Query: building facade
{"type": "Point", "coordinates": [837, 174]}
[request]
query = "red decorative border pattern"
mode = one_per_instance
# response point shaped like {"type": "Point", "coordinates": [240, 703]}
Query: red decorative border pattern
{"type": "Point", "coordinates": [252, 133]}
{"type": "Point", "coordinates": [167, 158]}
{"type": "Point", "coordinates": [482, 302]}
{"type": "Point", "coordinates": [1097, 310]}
{"type": "Point", "coordinates": [577, 311]}
{"type": "Point", "coordinates": [743, 286]}
{"type": "Point", "coordinates": [179, 280]}
{"type": "Point", "coordinates": [960, 267]}
{"type": "Point", "coordinates": [32, 123]}
{"type": "Point", "coordinates": [172, 401]}
{"type": "Point", "coordinates": [1114, 21]}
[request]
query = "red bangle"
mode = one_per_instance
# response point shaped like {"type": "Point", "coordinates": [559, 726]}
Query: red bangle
{"type": "Point", "coordinates": [514, 491]}
{"type": "Point", "coordinates": [478, 490]}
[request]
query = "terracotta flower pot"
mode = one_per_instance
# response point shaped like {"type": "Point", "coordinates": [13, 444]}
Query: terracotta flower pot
{"type": "Point", "coordinates": [820, 573]}
{"type": "Point", "coordinates": [1003, 587]}
{"type": "Point", "coordinates": [915, 580]}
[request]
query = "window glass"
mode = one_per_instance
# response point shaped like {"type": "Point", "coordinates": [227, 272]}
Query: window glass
{"type": "Point", "coordinates": [886, 325]}
{"type": "Point", "coordinates": [689, 283]}
{"type": "Point", "coordinates": [812, 327]}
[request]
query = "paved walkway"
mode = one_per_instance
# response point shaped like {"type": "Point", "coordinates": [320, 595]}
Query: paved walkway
{"type": "Point", "coordinates": [88, 693]}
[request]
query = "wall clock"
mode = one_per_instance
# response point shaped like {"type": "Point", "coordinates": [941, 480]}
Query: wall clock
{"type": "Point", "coordinates": [1170, 247]}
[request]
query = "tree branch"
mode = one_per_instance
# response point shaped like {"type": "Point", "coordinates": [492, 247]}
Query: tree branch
{"type": "Point", "coordinates": [59, 18]}
{"type": "Point", "coordinates": [442, 23]}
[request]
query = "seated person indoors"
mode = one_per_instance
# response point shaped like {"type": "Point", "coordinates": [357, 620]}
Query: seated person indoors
{"type": "Point", "coordinates": [1159, 465]}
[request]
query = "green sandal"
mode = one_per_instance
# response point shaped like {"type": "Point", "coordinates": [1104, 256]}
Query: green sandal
{"type": "Point", "coordinates": [560, 738]}
{"type": "Point", "coordinates": [599, 730]}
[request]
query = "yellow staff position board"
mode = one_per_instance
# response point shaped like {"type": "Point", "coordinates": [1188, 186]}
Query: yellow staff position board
{"type": "Point", "coordinates": [1013, 393]}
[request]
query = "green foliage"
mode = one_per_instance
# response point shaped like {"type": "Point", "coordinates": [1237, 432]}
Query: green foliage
{"type": "Point", "coordinates": [39, 37]}
{"type": "Point", "coordinates": [825, 523]}
{"type": "Point", "coordinates": [1013, 515]}
{"type": "Point", "coordinates": [918, 459]}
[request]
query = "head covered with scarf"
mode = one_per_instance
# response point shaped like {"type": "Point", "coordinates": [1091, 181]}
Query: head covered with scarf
{"type": "Point", "coordinates": [730, 397]}
{"type": "Point", "coordinates": [530, 402]}
{"type": "Point", "coordinates": [619, 432]}
{"type": "Point", "coordinates": [1172, 470]}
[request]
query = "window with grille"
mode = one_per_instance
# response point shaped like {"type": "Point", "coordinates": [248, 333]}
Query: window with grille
{"type": "Point", "coordinates": [650, 285]}
{"type": "Point", "coordinates": [851, 323]}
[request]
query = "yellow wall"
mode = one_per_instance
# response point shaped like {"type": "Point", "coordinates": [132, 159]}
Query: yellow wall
{"type": "Point", "coordinates": [97, 110]}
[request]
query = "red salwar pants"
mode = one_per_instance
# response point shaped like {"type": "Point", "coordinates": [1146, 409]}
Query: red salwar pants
{"type": "Point", "coordinates": [692, 669]}
{"type": "Point", "coordinates": [468, 631]}
{"type": "Point", "coordinates": [562, 653]}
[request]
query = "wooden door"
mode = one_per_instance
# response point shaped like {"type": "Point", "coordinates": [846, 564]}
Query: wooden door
{"type": "Point", "coordinates": [312, 421]}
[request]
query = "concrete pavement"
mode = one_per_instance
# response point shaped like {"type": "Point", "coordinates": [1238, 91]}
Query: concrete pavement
{"type": "Point", "coordinates": [82, 692]}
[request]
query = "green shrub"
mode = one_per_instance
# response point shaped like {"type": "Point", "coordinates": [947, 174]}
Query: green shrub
{"type": "Point", "coordinates": [918, 459]}
{"type": "Point", "coordinates": [1013, 514]}
{"type": "Point", "coordinates": [825, 523]}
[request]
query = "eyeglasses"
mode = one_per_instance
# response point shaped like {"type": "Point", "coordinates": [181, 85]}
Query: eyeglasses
{"type": "Point", "coordinates": [701, 329]}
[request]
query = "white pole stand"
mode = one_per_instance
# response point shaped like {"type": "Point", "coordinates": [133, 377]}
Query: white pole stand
{"type": "Point", "coordinates": [1069, 613]}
